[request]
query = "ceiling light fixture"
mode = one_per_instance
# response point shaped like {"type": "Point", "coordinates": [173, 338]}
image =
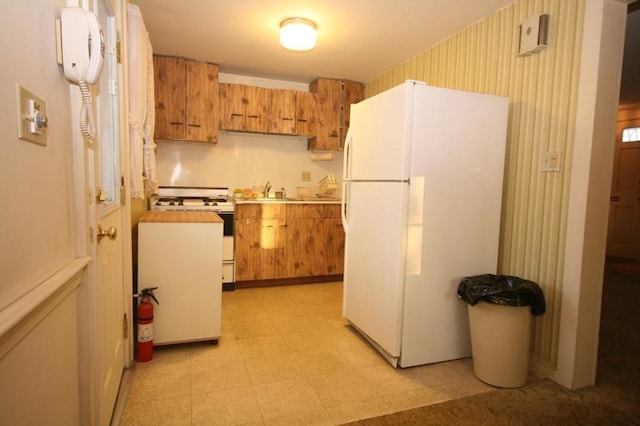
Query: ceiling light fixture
{"type": "Point", "coordinates": [298, 34]}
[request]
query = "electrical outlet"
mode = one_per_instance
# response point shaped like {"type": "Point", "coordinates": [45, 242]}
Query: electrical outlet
{"type": "Point", "coordinates": [306, 176]}
{"type": "Point", "coordinates": [550, 161]}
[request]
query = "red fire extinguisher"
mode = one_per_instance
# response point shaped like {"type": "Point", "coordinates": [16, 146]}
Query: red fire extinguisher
{"type": "Point", "coordinates": [145, 325]}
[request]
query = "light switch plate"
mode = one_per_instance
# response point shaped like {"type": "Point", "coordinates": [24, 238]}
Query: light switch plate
{"type": "Point", "coordinates": [32, 117]}
{"type": "Point", "coordinates": [550, 161]}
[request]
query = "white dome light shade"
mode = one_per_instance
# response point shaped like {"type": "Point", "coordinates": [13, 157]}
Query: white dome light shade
{"type": "Point", "coordinates": [297, 34]}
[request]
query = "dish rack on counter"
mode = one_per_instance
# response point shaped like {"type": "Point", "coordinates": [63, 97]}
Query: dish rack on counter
{"type": "Point", "coordinates": [328, 186]}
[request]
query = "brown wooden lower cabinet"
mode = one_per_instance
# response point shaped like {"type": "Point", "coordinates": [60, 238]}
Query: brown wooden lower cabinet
{"type": "Point", "coordinates": [287, 241]}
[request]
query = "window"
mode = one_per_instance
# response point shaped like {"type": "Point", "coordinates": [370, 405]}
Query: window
{"type": "Point", "coordinates": [631, 134]}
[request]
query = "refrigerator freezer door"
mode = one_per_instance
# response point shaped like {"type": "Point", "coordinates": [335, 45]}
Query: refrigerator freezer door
{"type": "Point", "coordinates": [374, 267]}
{"type": "Point", "coordinates": [379, 135]}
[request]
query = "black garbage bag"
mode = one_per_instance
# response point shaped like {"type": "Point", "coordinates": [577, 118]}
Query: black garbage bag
{"type": "Point", "coordinates": [502, 290]}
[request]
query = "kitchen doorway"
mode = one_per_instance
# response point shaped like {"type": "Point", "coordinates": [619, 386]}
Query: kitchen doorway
{"type": "Point", "coordinates": [623, 235]}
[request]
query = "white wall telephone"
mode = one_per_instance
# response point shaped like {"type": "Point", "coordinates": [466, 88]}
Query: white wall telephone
{"type": "Point", "coordinates": [82, 58]}
{"type": "Point", "coordinates": [82, 45]}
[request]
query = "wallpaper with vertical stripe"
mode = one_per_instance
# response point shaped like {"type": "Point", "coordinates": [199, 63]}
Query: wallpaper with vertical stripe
{"type": "Point", "coordinates": [542, 89]}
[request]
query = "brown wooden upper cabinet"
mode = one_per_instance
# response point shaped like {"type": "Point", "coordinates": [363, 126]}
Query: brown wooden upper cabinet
{"type": "Point", "coordinates": [186, 99]}
{"type": "Point", "coordinates": [244, 108]}
{"type": "Point", "coordinates": [306, 113]}
{"type": "Point", "coordinates": [334, 99]}
{"type": "Point", "coordinates": [282, 111]}
{"type": "Point", "coordinates": [292, 112]}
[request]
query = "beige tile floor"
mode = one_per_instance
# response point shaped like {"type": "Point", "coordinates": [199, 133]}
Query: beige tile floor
{"type": "Point", "coordinates": [286, 357]}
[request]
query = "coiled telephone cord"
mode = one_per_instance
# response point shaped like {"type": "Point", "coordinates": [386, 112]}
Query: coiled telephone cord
{"type": "Point", "coordinates": [87, 120]}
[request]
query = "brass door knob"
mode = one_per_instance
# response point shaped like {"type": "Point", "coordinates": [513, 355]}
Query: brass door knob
{"type": "Point", "coordinates": [112, 233]}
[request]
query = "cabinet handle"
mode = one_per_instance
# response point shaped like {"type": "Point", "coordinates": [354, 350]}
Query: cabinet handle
{"type": "Point", "coordinates": [236, 115]}
{"type": "Point", "coordinates": [267, 226]}
{"type": "Point", "coordinates": [284, 225]}
{"type": "Point", "coordinates": [301, 120]}
{"type": "Point", "coordinates": [253, 116]}
{"type": "Point", "coordinates": [287, 119]}
{"type": "Point", "coordinates": [194, 125]}
{"type": "Point", "coordinates": [176, 123]}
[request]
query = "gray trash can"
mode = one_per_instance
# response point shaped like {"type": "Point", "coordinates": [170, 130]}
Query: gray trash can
{"type": "Point", "coordinates": [500, 309]}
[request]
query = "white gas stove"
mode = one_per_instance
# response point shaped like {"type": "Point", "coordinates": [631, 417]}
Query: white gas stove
{"type": "Point", "coordinates": [213, 199]}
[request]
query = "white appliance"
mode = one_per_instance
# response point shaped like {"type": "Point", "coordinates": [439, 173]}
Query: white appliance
{"type": "Point", "coordinates": [422, 195]}
{"type": "Point", "coordinates": [210, 199]}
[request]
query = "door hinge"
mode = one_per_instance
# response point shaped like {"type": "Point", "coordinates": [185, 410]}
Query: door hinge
{"type": "Point", "coordinates": [123, 192]}
{"type": "Point", "coordinates": [112, 87]}
{"type": "Point", "coordinates": [125, 327]}
{"type": "Point", "coordinates": [119, 51]}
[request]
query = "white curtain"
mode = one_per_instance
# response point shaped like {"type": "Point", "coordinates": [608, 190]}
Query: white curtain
{"type": "Point", "coordinates": [141, 105]}
{"type": "Point", "coordinates": [151, 181]}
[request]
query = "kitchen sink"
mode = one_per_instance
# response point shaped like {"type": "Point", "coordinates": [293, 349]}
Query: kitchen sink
{"type": "Point", "coordinates": [313, 199]}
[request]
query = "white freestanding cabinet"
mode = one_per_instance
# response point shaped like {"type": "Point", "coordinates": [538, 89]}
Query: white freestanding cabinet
{"type": "Point", "coordinates": [181, 254]}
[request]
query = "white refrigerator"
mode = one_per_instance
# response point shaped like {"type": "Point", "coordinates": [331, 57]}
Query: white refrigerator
{"type": "Point", "coordinates": [422, 196]}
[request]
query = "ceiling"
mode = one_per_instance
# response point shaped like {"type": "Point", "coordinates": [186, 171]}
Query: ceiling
{"type": "Point", "coordinates": [357, 39]}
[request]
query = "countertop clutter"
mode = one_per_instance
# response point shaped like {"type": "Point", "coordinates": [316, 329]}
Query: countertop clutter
{"type": "Point", "coordinates": [326, 192]}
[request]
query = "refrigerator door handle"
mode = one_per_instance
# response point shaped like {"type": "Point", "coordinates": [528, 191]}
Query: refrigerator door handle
{"type": "Point", "coordinates": [346, 172]}
{"type": "Point", "coordinates": [343, 206]}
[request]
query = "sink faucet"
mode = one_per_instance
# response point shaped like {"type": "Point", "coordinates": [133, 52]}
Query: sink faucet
{"type": "Point", "coordinates": [267, 188]}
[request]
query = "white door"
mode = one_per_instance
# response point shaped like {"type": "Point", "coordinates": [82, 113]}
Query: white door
{"type": "Point", "coordinates": [623, 238]}
{"type": "Point", "coordinates": [108, 305]}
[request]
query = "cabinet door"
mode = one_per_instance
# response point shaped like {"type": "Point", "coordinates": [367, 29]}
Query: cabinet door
{"type": "Point", "coordinates": [256, 109]}
{"type": "Point", "coordinates": [333, 246]}
{"type": "Point", "coordinates": [327, 114]}
{"type": "Point", "coordinates": [300, 248]}
{"type": "Point", "coordinates": [248, 252]}
{"type": "Point", "coordinates": [282, 111]}
{"type": "Point", "coordinates": [202, 105]}
{"type": "Point", "coordinates": [353, 93]}
{"type": "Point", "coordinates": [305, 113]}
{"type": "Point", "coordinates": [260, 241]}
{"type": "Point", "coordinates": [232, 106]}
{"type": "Point", "coordinates": [169, 80]}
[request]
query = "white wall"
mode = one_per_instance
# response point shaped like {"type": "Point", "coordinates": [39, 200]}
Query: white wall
{"type": "Point", "coordinates": [39, 358]}
{"type": "Point", "coordinates": [39, 377]}
{"type": "Point", "coordinates": [36, 221]}
{"type": "Point", "coordinates": [241, 159]}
